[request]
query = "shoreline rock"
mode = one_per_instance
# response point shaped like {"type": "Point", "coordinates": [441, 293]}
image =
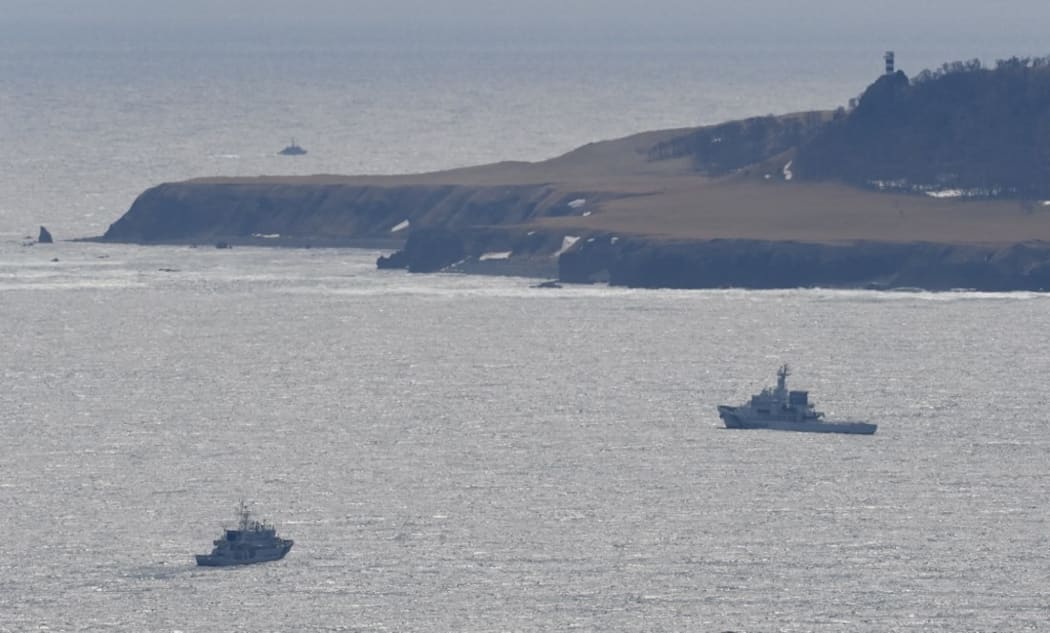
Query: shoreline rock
{"type": "Point", "coordinates": [768, 265]}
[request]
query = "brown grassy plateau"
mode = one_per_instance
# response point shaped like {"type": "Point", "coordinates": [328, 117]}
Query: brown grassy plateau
{"type": "Point", "coordinates": [669, 199]}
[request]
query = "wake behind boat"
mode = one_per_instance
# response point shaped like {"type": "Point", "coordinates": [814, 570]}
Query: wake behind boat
{"type": "Point", "coordinates": [782, 410]}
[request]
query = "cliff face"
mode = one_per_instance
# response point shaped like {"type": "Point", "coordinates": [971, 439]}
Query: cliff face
{"type": "Point", "coordinates": [764, 264]}
{"type": "Point", "coordinates": [727, 147]}
{"type": "Point", "coordinates": [547, 230]}
{"type": "Point", "coordinates": [480, 250]}
{"type": "Point", "coordinates": [333, 213]}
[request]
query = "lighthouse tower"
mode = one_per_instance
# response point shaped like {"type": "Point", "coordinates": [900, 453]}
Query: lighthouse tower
{"type": "Point", "coordinates": [888, 57]}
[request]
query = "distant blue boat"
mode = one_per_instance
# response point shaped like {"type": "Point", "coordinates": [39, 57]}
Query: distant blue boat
{"type": "Point", "coordinates": [292, 150]}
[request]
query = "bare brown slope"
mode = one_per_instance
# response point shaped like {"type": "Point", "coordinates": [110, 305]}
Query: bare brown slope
{"type": "Point", "coordinates": [749, 208]}
{"type": "Point", "coordinates": [668, 199]}
{"type": "Point", "coordinates": [604, 162]}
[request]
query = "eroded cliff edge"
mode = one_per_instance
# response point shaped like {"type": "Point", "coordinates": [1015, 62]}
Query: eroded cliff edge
{"type": "Point", "coordinates": [754, 203]}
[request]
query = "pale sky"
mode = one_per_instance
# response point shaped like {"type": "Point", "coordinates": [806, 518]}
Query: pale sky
{"type": "Point", "coordinates": [1017, 12]}
{"type": "Point", "coordinates": [895, 22]}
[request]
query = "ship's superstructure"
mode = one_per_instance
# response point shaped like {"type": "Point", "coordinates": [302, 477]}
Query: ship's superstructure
{"type": "Point", "coordinates": [250, 542]}
{"type": "Point", "coordinates": [292, 150]}
{"type": "Point", "coordinates": [780, 409]}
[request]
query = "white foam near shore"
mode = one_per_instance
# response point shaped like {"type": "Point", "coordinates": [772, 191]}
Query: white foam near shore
{"type": "Point", "coordinates": [787, 171]}
{"type": "Point", "coordinates": [577, 203]}
{"type": "Point", "coordinates": [266, 236]}
{"type": "Point", "coordinates": [495, 255]}
{"type": "Point", "coordinates": [401, 226]}
{"type": "Point", "coordinates": [946, 193]}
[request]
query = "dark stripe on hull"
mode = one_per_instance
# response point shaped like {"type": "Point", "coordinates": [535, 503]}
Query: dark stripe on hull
{"type": "Point", "coordinates": [733, 421]}
{"type": "Point", "coordinates": [206, 560]}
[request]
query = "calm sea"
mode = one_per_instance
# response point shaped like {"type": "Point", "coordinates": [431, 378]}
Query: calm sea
{"type": "Point", "coordinates": [456, 453]}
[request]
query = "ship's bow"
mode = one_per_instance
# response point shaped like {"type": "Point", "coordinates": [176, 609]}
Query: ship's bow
{"type": "Point", "coordinates": [729, 416]}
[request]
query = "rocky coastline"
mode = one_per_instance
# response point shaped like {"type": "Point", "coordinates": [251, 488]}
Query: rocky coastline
{"type": "Point", "coordinates": [753, 264]}
{"type": "Point", "coordinates": [535, 231]}
{"type": "Point", "coordinates": [514, 240]}
{"type": "Point", "coordinates": [207, 214]}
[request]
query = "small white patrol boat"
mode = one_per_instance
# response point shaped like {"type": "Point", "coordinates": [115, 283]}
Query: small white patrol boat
{"type": "Point", "coordinates": [782, 410]}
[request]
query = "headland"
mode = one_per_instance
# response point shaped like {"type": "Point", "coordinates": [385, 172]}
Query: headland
{"type": "Point", "coordinates": [936, 182]}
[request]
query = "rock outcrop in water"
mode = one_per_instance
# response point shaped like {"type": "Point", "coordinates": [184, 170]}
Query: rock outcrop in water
{"type": "Point", "coordinates": [427, 251]}
{"type": "Point", "coordinates": [765, 202]}
{"type": "Point", "coordinates": [45, 237]}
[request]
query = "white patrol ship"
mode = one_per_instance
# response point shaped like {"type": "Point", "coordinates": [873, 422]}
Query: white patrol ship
{"type": "Point", "coordinates": [782, 410]}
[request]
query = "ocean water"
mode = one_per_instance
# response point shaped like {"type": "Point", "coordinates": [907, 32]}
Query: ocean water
{"type": "Point", "coordinates": [455, 453]}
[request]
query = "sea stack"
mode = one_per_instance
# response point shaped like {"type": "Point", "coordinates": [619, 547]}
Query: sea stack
{"type": "Point", "coordinates": [45, 236]}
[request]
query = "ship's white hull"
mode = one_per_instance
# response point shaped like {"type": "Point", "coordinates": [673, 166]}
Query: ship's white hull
{"type": "Point", "coordinates": [733, 420]}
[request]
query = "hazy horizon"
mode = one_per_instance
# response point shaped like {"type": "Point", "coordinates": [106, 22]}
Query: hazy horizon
{"type": "Point", "coordinates": [108, 95]}
{"type": "Point", "coordinates": [891, 24]}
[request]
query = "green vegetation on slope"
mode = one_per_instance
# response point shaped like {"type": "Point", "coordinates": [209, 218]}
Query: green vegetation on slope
{"type": "Point", "coordinates": [983, 131]}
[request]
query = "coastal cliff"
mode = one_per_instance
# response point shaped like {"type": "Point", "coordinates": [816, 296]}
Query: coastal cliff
{"type": "Point", "coordinates": [828, 198]}
{"type": "Point", "coordinates": [323, 213]}
{"type": "Point", "coordinates": [767, 264]}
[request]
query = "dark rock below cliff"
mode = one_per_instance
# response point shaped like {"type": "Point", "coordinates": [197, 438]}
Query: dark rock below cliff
{"type": "Point", "coordinates": [495, 250]}
{"type": "Point", "coordinates": [426, 251]}
{"type": "Point", "coordinates": [763, 264]}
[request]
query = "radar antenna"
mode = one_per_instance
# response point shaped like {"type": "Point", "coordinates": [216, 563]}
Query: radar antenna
{"type": "Point", "coordinates": [243, 515]}
{"type": "Point", "coordinates": [782, 375]}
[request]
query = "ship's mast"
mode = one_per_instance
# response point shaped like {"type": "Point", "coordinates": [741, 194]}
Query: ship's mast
{"type": "Point", "coordinates": [782, 375]}
{"type": "Point", "coordinates": [243, 514]}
